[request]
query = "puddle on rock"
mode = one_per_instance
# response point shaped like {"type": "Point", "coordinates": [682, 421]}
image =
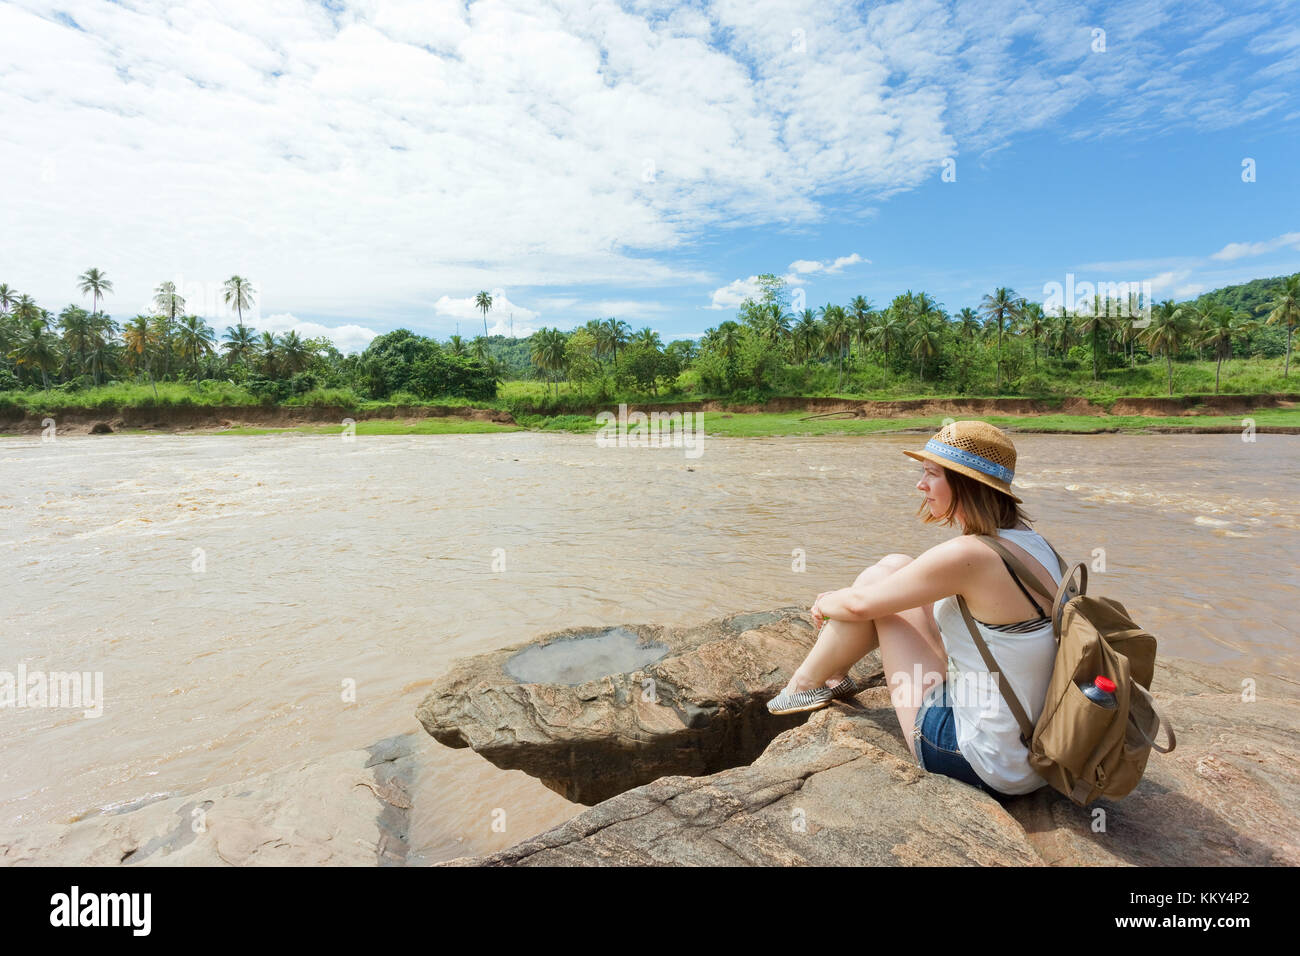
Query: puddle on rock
{"type": "Point", "coordinates": [576, 660]}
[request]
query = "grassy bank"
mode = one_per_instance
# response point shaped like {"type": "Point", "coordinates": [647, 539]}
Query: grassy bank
{"type": "Point", "coordinates": [795, 424]}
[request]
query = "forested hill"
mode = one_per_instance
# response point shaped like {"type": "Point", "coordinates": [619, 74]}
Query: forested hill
{"type": "Point", "coordinates": [1248, 297]}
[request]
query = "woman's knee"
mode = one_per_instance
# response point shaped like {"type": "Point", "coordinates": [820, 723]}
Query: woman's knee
{"type": "Point", "coordinates": [885, 566]}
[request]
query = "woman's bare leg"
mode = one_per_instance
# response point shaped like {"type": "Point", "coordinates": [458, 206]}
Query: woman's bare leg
{"type": "Point", "coordinates": [841, 644]}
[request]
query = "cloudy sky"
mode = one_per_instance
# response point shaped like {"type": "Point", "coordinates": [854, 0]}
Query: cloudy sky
{"type": "Point", "coordinates": [373, 165]}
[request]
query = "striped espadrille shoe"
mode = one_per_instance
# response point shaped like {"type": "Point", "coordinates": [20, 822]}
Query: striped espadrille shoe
{"type": "Point", "coordinates": [814, 699]}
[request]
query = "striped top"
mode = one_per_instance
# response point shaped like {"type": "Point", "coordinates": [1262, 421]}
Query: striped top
{"type": "Point", "coordinates": [1019, 627]}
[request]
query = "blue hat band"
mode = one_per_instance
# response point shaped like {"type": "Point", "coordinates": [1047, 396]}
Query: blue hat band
{"type": "Point", "coordinates": [970, 459]}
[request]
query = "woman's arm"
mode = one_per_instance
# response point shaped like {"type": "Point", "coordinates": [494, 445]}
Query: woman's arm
{"type": "Point", "coordinates": [944, 570]}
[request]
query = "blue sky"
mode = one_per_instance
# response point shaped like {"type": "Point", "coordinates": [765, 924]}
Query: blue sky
{"type": "Point", "coordinates": [374, 165]}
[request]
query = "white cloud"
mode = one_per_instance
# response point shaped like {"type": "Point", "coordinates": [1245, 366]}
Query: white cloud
{"type": "Point", "coordinates": [503, 318]}
{"type": "Point", "coordinates": [810, 266]}
{"type": "Point", "coordinates": [1240, 250]}
{"type": "Point", "coordinates": [346, 338]}
{"type": "Point", "coordinates": [731, 295]}
{"type": "Point", "coordinates": [1161, 283]}
{"type": "Point", "coordinates": [367, 160]}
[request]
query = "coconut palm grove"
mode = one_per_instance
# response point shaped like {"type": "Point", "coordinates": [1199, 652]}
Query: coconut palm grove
{"type": "Point", "coordinates": [1234, 339]}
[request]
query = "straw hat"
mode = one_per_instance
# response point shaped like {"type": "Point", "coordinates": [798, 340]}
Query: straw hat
{"type": "Point", "coordinates": [976, 449]}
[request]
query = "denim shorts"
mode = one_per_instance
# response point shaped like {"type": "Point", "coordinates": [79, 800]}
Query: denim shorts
{"type": "Point", "coordinates": [935, 736]}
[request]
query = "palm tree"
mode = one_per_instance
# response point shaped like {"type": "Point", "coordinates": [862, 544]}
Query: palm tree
{"type": "Point", "coordinates": [725, 339]}
{"type": "Point", "coordinates": [79, 333]}
{"type": "Point", "coordinates": [618, 332]}
{"type": "Point", "coordinates": [770, 322]}
{"type": "Point", "coordinates": [164, 336]}
{"type": "Point", "coordinates": [102, 356]}
{"type": "Point", "coordinates": [806, 334]}
{"type": "Point", "coordinates": [648, 337]}
{"type": "Point", "coordinates": [604, 336]}
{"type": "Point", "coordinates": [928, 338]}
{"type": "Point", "coordinates": [860, 317]}
{"type": "Point", "coordinates": [140, 346]}
{"type": "Point", "coordinates": [8, 298]}
{"type": "Point", "coordinates": [1001, 306]}
{"type": "Point", "coordinates": [268, 351]}
{"type": "Point", "coordinates": [1167, 330]}
{"type": "Point", "coordinates": [239, 293]}
{"type": "Point", "coordinates": [295, 356]}
{"type": "Point", "coordinates": [835, 324]}
{"type": "Point", "coordinates": [240, 345]}
{"type": "Point", "coordinates": [968, 324]}
{"type": "Point", "coordinates": [483, 301]}
{"type": "Point", "coordinates": [196, 339]}
{"type": "Point", "coordinates": [1286, 311]}
{"type": "Point", "coordinates": [1034, 323]}
{"type": "Point", "coordinates": [96, 283]}
{"type": "Point", "coordinates": [36, 347]}
{"type": "Point", "coordinates": [479, 349]}
{"type": "Point", "coordinates": [1223, 324]}
{"type": "Point", "coordinates": [456, 346]}
{"type": "Point", "coordinates": [891, 325]}
{"type": "Point", "coordinates": [167, 302]}
{"type": "Point", "coordinates": [1095, 323]}
{"type": "Point", "coordinates": [548, 353]}
{"type": "Point", "coordinates": [26, 310]}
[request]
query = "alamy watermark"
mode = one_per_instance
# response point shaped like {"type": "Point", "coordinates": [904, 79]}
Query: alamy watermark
{"type": "Point", "coordinates": [654, 430]}
{"type": "Point", "coordinates": [965, 689]}
{"type": "Point", "coordinates": [74, 689]}
{"type": "Point", "coordinates": [1130, 300]}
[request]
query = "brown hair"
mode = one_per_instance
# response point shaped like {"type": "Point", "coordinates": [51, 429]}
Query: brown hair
{"type": "Point", "coordinates": [986, 509]}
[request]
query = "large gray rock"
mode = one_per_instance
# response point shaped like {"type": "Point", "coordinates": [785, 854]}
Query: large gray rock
{"type": "Point", "coordinates": [592, 712]}
{"type": "Point", "coordinates": [842, 789]}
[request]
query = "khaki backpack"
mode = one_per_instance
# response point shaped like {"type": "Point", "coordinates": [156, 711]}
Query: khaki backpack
{"type": "Point", "coordinates": [1082, 749]}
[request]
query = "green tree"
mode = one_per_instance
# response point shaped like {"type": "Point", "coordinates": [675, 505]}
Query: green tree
{"type": "Point", "coordinates": [968, 324]}
{"type": "Point", "coordinates": [999, 308]}
{"type": "Point", "coordinates": [80, 334]}
{"type": "Point", "coordinates": [1168, 329]}
{"type": "Point", "coordinates": [1223, 325]}
{"type": "Point", "coordinates": [238, 292]}
{"type": "Point", "coordinates": [483, 301]}
{"type": "Point", "coordinates": [1285, 310]}
{"type": "Point", "coordinates": [94, 283]}
{"type": "Point", "coordinates": [1096, 323]}
{"type": "Point", "coordinates": [240, 345]}
{"type": "Point", "coordinates": [835, 323]}
{"type": "Point", "coordinates": [806, 335]}
{"type": "Point", "coordinates": [617, 332]}
{"type": "Point", "coordinates": [195, 341]}
{"type": "Point", "coordinates": [36, 347]}
{"type": "Point", "coordinates": [548, 353]}
{"type": "Point", "coordinates": [140, 347]}
{"type": "Point", "coordinates": [295, 356]}
{"type": "Point", "coordinates": [167, 302]}
{"type": "Point", "coordinates": [1034, 324]}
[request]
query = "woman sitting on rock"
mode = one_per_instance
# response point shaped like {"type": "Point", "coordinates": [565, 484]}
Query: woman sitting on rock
{"type": "Point", "coordinates": [955, 721]}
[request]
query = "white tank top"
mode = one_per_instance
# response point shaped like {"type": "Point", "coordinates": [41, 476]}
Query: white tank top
{"type": "Point", "coordinates": [987, 733]}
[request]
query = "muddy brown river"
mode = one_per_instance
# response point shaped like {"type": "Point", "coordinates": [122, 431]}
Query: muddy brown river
{"type": "Point", "coordinates": [230, 589]}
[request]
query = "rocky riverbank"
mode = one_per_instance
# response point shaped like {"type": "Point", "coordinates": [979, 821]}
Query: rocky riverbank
{"type": "Point", "coordinates": [841, 788]}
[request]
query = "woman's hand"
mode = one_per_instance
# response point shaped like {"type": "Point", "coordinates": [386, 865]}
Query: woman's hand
{"type": "Point", "coordinates": [818, 618]}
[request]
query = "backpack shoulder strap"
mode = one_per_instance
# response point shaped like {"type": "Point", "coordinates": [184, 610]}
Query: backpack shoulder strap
{"type": "Point", "coordinates": [1018, 567]}
{"type": "Point", "coordinates": [1026, 728]}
